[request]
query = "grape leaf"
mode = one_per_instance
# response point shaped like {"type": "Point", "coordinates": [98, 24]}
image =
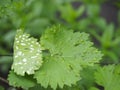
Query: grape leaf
{"type": "Point", "coordinates": [27, 54]}
{"type": "Point", "coordinates": [24, 82]}
{"type": "Point", "coordinates": [68, 51]}
{"type": "Point", "coordinates": [58, 71]}
{"type": "Point", "coordinates": [106, 77]}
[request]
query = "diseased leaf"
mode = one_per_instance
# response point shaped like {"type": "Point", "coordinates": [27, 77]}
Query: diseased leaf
{"type": "Point", "coordinates": [68, 51]}
{"type": "Point", "coordinates": [27, 54]}
{"type": "Point", "coordinates": [24, 82]}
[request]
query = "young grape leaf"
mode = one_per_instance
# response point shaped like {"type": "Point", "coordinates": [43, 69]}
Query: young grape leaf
{"type": "Point", "coordinates": [27, 54]}
{"type": "Point", "coordinates": [68, 51]}
{"type": "Point", "coordinates": [108, 78]}
{"type": "Point", "coordinates": [24, 82]}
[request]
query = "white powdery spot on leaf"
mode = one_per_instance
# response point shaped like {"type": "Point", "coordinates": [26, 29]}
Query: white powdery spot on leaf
{"type": "Point", "coordinates": [27, 59]}
{"type": "Point", "coordinates": [24, 60]}
{"type": "Point", "coordinates": [19, 53]}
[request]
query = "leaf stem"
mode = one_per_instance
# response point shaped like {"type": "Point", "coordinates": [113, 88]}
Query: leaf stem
{"type": "Point", "coordinates": [4, 80]}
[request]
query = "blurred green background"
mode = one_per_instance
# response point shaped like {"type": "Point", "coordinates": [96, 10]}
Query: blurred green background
{"type": "Point", "coordinates": [99, 18]}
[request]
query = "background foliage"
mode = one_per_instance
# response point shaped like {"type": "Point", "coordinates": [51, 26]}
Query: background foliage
{"type": "Point", "coordinates": [99, 18]}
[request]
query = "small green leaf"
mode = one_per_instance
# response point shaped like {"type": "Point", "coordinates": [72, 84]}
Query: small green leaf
{"type": "Point", "coordinates": [116, 41]}
{"type": "Point", "coordinates": [68, 13]}
{"type": "Point", "coordinates": [27, 54]}
{"type": "Point", "coordinates": [108, 78]}
{"type": "Point", "coordinates": [80, 11]}
{"type": "Point", "coordinates": [24, 82]}
{"type": "Point", "coordinates": [107, 36]}
{"type": "Point", "coordinates": [93, 10]}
